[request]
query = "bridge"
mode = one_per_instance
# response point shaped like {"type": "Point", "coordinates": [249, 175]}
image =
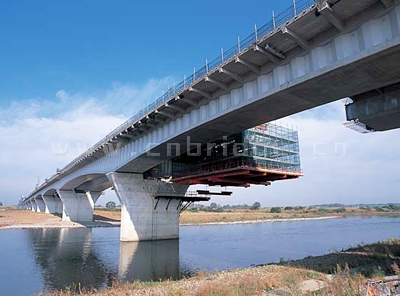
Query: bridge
{"type": "Point", "coordinates": [314, 53]}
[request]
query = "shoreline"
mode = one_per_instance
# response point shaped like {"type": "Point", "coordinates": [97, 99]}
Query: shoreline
{"type": "Point", "coordinates": [104, 221]}
{"type": "Point", "coordinates": [95, 224]}
{"type": "Point", "coordinates": [262, 221]}
{"type": "Point", "coordinates": [103, 224]}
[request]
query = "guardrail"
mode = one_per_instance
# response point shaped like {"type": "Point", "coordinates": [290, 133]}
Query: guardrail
{"type": "Point", "coordinates": [226, 56]}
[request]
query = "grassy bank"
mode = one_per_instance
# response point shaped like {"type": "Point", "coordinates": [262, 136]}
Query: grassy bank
{"type": "Point", "coordinates": [16, 218]}
{"type": "Point", "coordinates": [219, 215]}
{"type": "Point", "coordinates": [373, 260]}
{"type": "Point", "coordinates": [302, 277]}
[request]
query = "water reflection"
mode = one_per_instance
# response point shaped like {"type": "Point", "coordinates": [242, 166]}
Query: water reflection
{"type": "Point", "coordinates": [67, 258]}
{"type": "Point", "coordinates": [149, 260]}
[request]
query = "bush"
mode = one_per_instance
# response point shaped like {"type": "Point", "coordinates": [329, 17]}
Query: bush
{"type": "Point", "coordinates": [394, 208]}
{"type": "Point", "coordinates": [276, 210]}
{"type": "Point", "coordinates": [288, 208]}
{"type": "Point", "coordinates": [110, 205]}
{"type": "Point", "coordinates": [340, 211]}
{"type": "Point", "coordinates": [323, 211]}
{"type": "Point", "coordinates": [255, 206]}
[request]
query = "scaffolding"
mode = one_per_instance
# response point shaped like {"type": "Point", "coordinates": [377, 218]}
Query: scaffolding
{"type": "Point", "coordinates": [259, 155]}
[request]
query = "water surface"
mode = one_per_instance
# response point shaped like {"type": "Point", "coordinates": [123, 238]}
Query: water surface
{"type": "Point", "coordinates": [35, 260]}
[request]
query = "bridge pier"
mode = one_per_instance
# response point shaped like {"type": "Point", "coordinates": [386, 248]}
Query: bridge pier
{"type": "Point", "coordinates": [34, 205]}
{"type": "Point", "coordinates": [53, 205]}
{"type": "Point", "coordinates": [41, 206]}
{"type": "Point", "coordinates": [143, 217]}
{"type": "Point", "coordinates": [78, 206]}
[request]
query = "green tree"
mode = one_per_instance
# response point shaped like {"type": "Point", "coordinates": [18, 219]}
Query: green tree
{"type": "Point", "coordinates": [276, 210]}
{"type": "Point", "coordinates": [255, 206]}
{"type": "Point", "coordinates": [110, 205]}
{"type": "Point", "coordinates": [213, 205]}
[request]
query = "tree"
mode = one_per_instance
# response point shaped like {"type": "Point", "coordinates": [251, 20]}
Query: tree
{"type": "Point", "coordinates": [276, 210]}
{"type": "Point", "coordinates": [110, 205]}
{"type": "Point", "coordinates": [1, 204]}
{"type": "Point", "coordinates": [255, 206]}
{"type": "Point", "coordinates": [213, 205]}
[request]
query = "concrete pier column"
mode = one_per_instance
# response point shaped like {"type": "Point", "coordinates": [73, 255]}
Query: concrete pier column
{"type": "Point", "coordinates": [142, 216]}
{"type": "Point", "coordinates": [41, 206]}
{"type": "Point", "coordinates": [78, 207]}
{"type": "Point", "coordinates": [33, 205]}
{"type": "Point", "coordinates": [54, 205]}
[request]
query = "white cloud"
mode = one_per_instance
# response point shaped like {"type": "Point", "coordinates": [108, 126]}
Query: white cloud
{"type": "Point", "coordinates": [34, 132]}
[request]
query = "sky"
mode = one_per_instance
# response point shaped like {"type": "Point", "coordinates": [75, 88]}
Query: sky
{"type": "Point", "coordinates": [71, 71]}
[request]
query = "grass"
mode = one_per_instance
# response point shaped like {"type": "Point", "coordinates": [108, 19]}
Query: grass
{"type": "Point", "coordinates": [378, 259]}
{"type": "Point", "coordinates": [243, 282]}
{"type": "Point", "coordinates": [12, 216]}
{"type": "Point", "coordinates": [229, 216]}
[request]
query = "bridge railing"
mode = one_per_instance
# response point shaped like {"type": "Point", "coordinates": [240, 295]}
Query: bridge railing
{"type": "Point", "coordinates": [226, 56]}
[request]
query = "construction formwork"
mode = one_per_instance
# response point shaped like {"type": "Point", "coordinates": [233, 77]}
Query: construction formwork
{"type": "Point", "coordinates": [259, 155]}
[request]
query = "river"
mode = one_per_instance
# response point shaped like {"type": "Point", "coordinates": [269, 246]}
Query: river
{"type": "Point", "coordinates": [35, 260]}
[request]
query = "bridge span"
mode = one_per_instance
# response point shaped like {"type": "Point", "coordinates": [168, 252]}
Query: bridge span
{"type": "Point", "coordinates": [315, 53]}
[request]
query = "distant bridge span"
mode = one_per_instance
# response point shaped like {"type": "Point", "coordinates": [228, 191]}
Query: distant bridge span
{"type": "Point", "coordinates": [323, 52]}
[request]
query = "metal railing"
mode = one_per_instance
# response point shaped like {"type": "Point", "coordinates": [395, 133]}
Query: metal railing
{"type": "Point", "coordinates": [226, 56]}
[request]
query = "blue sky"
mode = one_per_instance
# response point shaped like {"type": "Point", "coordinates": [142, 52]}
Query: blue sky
{"type": "Point", "coordinates": [86, 46]}
{"type": "Point", "coordinates": [71, 71]}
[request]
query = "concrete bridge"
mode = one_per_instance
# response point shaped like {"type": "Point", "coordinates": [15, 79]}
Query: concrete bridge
{"type": "Point", "coordinates": [313, 54]}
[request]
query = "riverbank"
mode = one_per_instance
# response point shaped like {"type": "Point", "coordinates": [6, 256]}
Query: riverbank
{"type": "Point", "coordinates": [301, 277]}
{"type": "Point", "coordinates": [14, 218]}
{"type": "Point", "coordinates": [260, 221]}
{"type": "Point", "coordinates": [239, 216]}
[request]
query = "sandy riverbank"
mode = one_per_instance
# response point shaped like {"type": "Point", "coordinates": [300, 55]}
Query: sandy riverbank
{"type": "Point", "coordinates": [261, 221]}
{"type": "Point", "coordinates": [12, 218]}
